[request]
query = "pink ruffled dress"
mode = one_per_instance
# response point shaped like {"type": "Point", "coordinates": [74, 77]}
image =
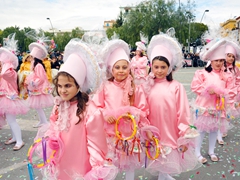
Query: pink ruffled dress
{"type": "Point", "coordinates": [10, 102]}
{"type": "Point", "coordinates": [169, 111]}
{"type": "Point", "coordinates": [233, 110]}
{"type": "Point", "coordinates": [39, 89]}
{"type": "Point", "coordinates": [209, 117]}
{"type": "Point", "coordinates": [82, 146]}
{"type": "Point", "coordinates": [139, 68]}
{"type": "Point", "coordinates": [112, 98]}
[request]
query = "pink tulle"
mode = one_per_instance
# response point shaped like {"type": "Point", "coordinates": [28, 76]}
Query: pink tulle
{"type": "Point", "coordinates": [211, 124]}
{"type": "Point", "coordinates": [9, 106]}
{"type": "Point", "coordinates": [216, 90]}
{"type": "Point", "coordinates": [102, 173]}
{"type": "Point", "coordinates": [40, 101]}
{"type": "Point", "coordinates": [174, 163]}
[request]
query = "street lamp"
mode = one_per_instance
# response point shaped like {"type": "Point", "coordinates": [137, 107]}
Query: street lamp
{"type": "Point", "coordinates": [203, 14]}
{"type": "Point", "coordinates": [51, 24]}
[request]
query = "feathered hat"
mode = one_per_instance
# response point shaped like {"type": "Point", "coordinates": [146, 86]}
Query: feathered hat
{"type": "Point", "coordinates": [38, 49]}
{"type": "Point", "coordinates": [141, 45]}
{"type": "Point", "coordinates": [164, 45]}
{"type": "Point", "coordinates": [214, 50]}
{"type": "Point", "coordinates": [80, 62]}
{"type": "Point", "coordinates": [233, 48]}
{"type": "Point", "coordinates": [113, 51]}
{"type": "Point", "coordinates": [9, 50]}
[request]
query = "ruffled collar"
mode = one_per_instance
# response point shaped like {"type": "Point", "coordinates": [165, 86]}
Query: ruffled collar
{"type": "Point", "coordinates": [62, 112]}
{"type": "Point", "coordinates": [126, 84]}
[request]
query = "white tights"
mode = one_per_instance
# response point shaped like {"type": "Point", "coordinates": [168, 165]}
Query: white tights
{"type": "Point", "coordinates": [212, 137]}
{"type": "Point", "coordinates": [129, 175]}
{"type": "Point", "coordinates": [219, 136]}
{"type": "Point", "coordinates": [41, 116]}
{"type": "Point", "coordinates": [16, 131]}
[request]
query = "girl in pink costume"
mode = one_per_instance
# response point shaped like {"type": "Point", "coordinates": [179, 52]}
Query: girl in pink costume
{"type": "Point", "coordinates": [119, 96]}
{"type": "Point", "coordinates": [10, 102]}
{"type": "Point", "coordinates": [213, 87]}
{"type": "Point", "coordinates": [2, 117]}
{"type": "Point", "coordinates": [139, 64]}
{"type": "Point", "coordinates": [76, 130]}
{"type": "Point", "coordinates": [169, 110]}
{"type": "Point", "coordinates": [39, 88]}
{"type": "Point", "coordinates": [232, 52]}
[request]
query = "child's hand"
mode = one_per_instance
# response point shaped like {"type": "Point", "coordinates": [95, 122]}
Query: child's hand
{"type": "Point", "coordinates": [211, 92]}
{"type": "Point", "coordinates": [149, 135]}
{"type": "Point", "coordinates": [111, 120]}
{"type": "Point", "coordinates": [183, 148]}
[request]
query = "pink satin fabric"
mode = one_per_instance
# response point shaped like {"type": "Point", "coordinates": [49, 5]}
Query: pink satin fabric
{"type": "Point", "coordinates": [169, 110]}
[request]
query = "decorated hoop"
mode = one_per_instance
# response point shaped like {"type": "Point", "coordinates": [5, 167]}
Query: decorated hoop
{"type": "Point", "coordinates": [157, 149]}
{"type": "Point", "coordinates": [119, 134]}
{"type": "Point", "coordinates": [32, 149]}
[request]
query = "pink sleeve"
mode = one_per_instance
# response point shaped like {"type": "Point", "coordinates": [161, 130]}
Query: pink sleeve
{"type": "Point", "coordinates": [197, 84]}
{"type": "Point", "coordinates": [39, 73]}
{"type": "Point", "coordinates": [140, 102]}
{"type": "Point", "coordinates": [183, 109]}
{"type": "Point", "coordinates": [231, 90]}
{"type": "Point", "coordinates": [96, 139]}
{"type": "Point", "coordinates": [144, 62]}
{"type": "Point", "coordinates": [8, 73]}
{"type": "Point", "coordinates": [99, 97]}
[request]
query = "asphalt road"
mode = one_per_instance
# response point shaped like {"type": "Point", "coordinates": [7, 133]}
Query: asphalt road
{"type": "Point", "coordinates": [13, 164]}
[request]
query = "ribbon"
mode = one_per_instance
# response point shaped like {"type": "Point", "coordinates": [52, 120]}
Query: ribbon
{"type": "Point", "coordinates": [44, 148]}
{"type": "Point", "coordinates": [193, 127]}
{"type": "Point", "coordinates": [30, 172]}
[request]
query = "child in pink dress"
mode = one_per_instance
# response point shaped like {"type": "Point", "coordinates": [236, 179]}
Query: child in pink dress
{"type": "Point", "coordinates": [10, 102]}
{"type": "Point", "coordinates": [119, 96]}
{"type": "Point", "coordinates": [139, 64]}
{"type": "Point", "coordinates": [213, 87]}
{"type": "Point", "coordinates": [232, 52]}
{"type": "Point", "coordinates": [76, 130]}
{"type": "Point", "coordinates": [169, 110]}
{"type": "Point", "coordinates": [38, 86]}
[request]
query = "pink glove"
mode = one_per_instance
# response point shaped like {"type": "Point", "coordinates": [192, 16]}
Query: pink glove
{"type": "Point", "coordinates": [53, 144]}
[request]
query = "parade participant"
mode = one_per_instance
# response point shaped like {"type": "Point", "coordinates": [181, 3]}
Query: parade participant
{"type": "Point", "coordinates": [76, 130]}
{"type": "Point", "coordinates": [47, 64]}
{"type": "Point", "coordinates": [232, 52]}
{"type": "Point", "coordinates": [39, 88]}
{"type": "Point", "coordinates": [139, 63]}
{"type": "Point", "coordinates": [119, 97]}
{"type": "Point", "coordinates": [169, 110]}
{"type": "Point", "coordinates": [10, 102]}
{"type": "Point", "coordinates": [23, 72]}
{"type": "Point", "coordinates": [212, 86]}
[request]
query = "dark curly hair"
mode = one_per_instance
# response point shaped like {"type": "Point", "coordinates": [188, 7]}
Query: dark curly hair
{"type": "Point", "coordinates": [82, 98]}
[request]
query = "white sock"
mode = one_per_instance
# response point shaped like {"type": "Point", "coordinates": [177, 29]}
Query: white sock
{"type": "Point", "coordinates": [219, 136]}
{"type": "Point", "coordinates": [17, 134]}
{"type": "Point", "coordinates": [198, 142]}
{"type": "Point", "coordinates": [42, 116]}
{"type": "Point", "coordinates": [212, 142]}
{"type": "Point", "coordinates": [129, 175]}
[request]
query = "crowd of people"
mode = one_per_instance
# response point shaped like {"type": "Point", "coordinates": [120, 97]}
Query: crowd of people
{"type": "Point", "coordinates": [113, 112]}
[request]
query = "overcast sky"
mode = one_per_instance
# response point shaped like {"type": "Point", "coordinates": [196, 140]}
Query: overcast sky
{"type": "Point", "coordinates": [90, 14]}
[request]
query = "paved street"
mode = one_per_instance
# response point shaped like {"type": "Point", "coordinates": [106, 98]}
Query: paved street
{"type": "Point", "coordinates": [13, 165]}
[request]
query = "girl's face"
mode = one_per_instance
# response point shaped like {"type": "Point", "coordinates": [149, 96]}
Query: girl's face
{"type": "Point", "coordinates": [159, 69]}
{"type": "Point", "coordinates": [120, 70]}
{"type": "Point", "coordinates": [230, 58]}
{"type": "Point", "coordinates": [217, 64]}
{"type": "Point", "coordinates": [138, 52]}
{"type": "Point", "coordinates": [30, 58]}
{"type": "Point", "coordinates": [67, 88]}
